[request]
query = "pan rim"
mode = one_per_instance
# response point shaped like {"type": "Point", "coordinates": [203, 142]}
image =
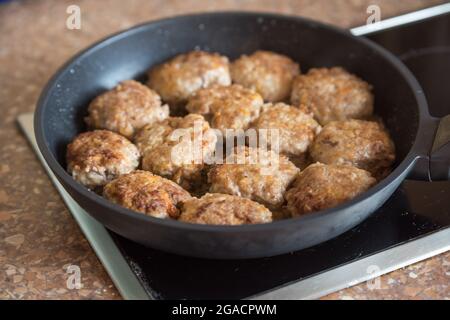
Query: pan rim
{"type": "Point", "coordinates": [402, 168]}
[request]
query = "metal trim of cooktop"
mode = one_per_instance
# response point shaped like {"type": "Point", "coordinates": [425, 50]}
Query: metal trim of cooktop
{"type": "Point", "coordinates": [401, 20]}
{"type": "Point", "coordinates": [363, 270]}
{"type": "Point", "coordinates": [310, 288]}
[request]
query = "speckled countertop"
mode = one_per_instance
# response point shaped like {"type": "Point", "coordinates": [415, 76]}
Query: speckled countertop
{"type": "Point", "coordinates": [38, 237]}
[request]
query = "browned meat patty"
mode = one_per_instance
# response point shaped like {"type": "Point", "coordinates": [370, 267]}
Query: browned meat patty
{"type": "Point", "coordinates": [333, 94]}
{"type": "Point", "coordinates": [322, 186]}
{"type": "Point", "coordinates": [296, 128]}
{"type": "Point", "coordinates": [144, 192]}
{"type": "Point", "coordinates": [363, 144]}
{"type": "Point", "coordinates": [232, 107]}
{"type": "Point", "coordinates": [249, 173]}
{"type": "Point", "coordinates": [96, 157]}
{"type": "Point", "coordinates": [177, 149]}
{"type": "Point", "coordinates": [224, 209]}
{"type": "Point", "coordinates": [268, 73]}
{"type": "Point", "coordinates": [126, 108]}
{"type": "Point", "coordinates": [181, 76]}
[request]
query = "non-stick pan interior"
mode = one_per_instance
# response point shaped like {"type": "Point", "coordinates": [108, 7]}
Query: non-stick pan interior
{"type": "Point", "coordinates": [130, 54]}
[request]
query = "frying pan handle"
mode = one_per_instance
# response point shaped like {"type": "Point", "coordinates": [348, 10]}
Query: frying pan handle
{"type": "Point", "coordinates": [434, 164]}
{"type": "Point", "coordinates": [440, 151]}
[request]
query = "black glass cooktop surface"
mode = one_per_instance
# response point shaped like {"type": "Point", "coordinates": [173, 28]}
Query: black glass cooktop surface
{"type": "Point", "coordinates": [416, 209]}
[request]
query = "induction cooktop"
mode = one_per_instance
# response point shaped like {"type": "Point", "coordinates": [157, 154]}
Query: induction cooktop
{"type": "Point", "coordinates": [414, 223]}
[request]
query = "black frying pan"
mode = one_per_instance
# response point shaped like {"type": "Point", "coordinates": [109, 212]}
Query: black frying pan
{"type": "Point", "coordinates": [399, 101]}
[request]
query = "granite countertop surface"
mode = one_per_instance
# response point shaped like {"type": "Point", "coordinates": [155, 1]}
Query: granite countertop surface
{"type": "Point", "coordinates": [38, 236]}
